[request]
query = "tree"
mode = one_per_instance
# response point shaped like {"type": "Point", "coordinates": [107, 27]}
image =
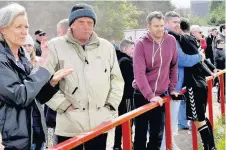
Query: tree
{"type": "Point", "coordinates": [114, 17]}
{"type": "Point", "coordinates": [149, 6]}
{"type": "Point", "coordinates": [214, 4]}
{"type": "Point", "coordinates": [198, 20]}
{"type": "Point", "coordinates": [184, 12]}
{"type": "Point", "coordinates": [217, 13]}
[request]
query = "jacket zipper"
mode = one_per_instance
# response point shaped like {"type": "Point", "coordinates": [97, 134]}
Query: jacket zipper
{"type": "Point", "coordinates": [44, 127]}
{"type": "Point", "coordinates": [31, 127]}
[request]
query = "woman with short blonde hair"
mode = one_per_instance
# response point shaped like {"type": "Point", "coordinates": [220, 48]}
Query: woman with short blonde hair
{"type": "Point", "coordinates": [22, 88]}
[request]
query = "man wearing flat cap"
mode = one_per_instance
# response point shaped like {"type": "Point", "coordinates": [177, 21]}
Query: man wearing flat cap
{"type": "Point", "coordinates": [91, 95]}
{"type": "Point", "coordinates": [38, 35]}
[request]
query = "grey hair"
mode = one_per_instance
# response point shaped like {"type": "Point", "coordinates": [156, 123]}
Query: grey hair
{"type": "Point", "coordinates": [195, 28]}
{"type": "Point", "coordinates": [9, 13]}
{"type": "Point", "coordinates": [64, 24]}
{"type": "Point", "coordinates": [125, 43]}
{"type": "Point", "coordinates": [171, 14]}
{"type": "Point", "coordinates": [154, 14]}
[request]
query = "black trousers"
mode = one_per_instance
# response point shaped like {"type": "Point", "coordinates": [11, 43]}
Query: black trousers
{"type": "Point", "coordinates": [155, 119]}
{"type": "Point", "coordinates": [98, 143]}
{"type": "Point", "coordinates": [125, 106]}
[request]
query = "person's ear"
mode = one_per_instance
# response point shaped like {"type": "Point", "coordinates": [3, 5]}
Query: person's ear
{"type": "Point", "coordinates": [2, 31]}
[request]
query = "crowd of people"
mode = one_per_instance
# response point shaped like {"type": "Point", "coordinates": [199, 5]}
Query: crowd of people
{"type": "Point", "coordinates": [52, 90]}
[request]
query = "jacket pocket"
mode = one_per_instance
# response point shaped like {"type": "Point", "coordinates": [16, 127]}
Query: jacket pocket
{"type": "Point", "coordinates": [102, 115]}
{"type": "Point", "coordinates": [15, 125]}
{"type": "Point", "coordinates": [69, 86]}
{"type": "Point", "coordinates": [71, 82]}
{"type": "Point", "coordinates": [74, 121]}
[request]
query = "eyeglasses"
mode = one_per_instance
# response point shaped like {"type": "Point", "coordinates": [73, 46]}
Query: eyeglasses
{"type": "Point", "coordinates": [43, 34]}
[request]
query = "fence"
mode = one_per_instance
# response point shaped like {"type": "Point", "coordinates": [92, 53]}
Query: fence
{"type": "Point", "coordinates": [124, 120]}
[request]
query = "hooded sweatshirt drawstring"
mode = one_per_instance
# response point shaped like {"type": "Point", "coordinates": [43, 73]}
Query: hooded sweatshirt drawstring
{"type": "Point", "coordinates": [153, 60]}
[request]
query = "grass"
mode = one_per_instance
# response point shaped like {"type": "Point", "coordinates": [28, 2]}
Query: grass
{"type": "Point", "coordinates": [219, 134]}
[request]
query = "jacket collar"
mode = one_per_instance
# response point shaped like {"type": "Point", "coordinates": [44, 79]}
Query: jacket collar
{"type": "Point", "coordinates": [5, 50]}
{"type": "Point", "coordinates": [92, 42]}
{"type": "Point", "coordinates": [125, 55]}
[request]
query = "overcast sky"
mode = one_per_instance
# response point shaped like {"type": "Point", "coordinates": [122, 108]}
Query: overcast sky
{"type": "Point", "coordinates": [181, 3]}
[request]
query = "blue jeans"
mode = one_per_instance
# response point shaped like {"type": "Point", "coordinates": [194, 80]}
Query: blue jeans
{"type": "Point", "coordinates": [174, 105]}
{"type": "Point", "coordinates": [182, 117]}
{"type": "Point", "coordinates": [37, 146]}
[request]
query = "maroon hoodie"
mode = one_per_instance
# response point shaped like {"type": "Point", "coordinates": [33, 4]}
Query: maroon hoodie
{"type": "Point", "coordinates": [155, 65]}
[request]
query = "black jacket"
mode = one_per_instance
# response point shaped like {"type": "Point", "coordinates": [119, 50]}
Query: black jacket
{"type": "Point", "coordinates": [195, 75]}
{"type": "Point", "coordinates": [18, 90]}
{"type": "Point", "coordinates": [220, 58]}
{"type": "Point", "coordinates": [220, 53]}
{"type": "Point", "coordinates": [38, 50]}
{"type": "Point", "coordinates": [126, 67]}
{"type": "Point", "coordinates": [209, 49]}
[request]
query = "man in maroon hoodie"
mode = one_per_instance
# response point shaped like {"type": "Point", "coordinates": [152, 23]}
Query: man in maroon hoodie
{"type": "Point", "coordinates": [155, 72]}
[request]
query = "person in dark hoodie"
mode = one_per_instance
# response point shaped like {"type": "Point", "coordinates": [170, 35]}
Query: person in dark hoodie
{"type": "Point", "coordinates": [155, 70]}
{"type": "Point", "coordinates": [197, 89]}
{"type": "Point", "coordinates": [119, 54]}
{"type": "Point", "coordinates": [126, 67]}
{"type": "Point", "coordinates": [220, 53]}
{"type": "Point", "coordinates": [210, 44]}
{"type": "Point", "coordinates": [219, 48]}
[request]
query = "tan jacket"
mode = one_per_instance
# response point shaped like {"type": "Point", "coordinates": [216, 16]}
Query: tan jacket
{"type": "Point", "coordinates": [95, 81]}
